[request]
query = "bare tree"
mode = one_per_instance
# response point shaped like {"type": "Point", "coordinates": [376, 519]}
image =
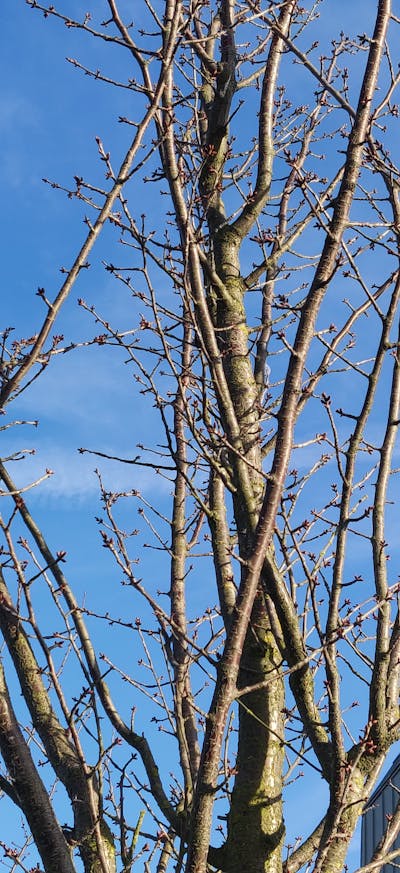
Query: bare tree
{"type": "Point", "coordinates": [256, 216]}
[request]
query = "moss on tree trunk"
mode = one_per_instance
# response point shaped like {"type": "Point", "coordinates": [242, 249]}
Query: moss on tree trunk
{"type": "Point", "coordinates": [255, 826]}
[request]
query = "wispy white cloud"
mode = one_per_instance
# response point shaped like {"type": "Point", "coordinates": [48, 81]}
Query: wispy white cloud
{"type": "Point", "coordinates": [85, 400]}
{"type": "Point", "coordinates": [73, 475]}
{"type": "Point", "coordinates": [18, 119]}
{"type": "Point", "coordinates": [16, 112]}
{"type": "Point", "coordinates": [89, 392]}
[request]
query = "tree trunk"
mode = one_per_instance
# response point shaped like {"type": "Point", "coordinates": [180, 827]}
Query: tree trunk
{"type": "Point", "coordinates": [255, 826]}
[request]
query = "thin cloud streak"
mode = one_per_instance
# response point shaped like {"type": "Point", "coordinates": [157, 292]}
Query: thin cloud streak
{"type": "Point", "coordinates": [74, 477]}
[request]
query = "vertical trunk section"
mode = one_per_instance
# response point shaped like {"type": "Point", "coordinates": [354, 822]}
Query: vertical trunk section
{"type": "Point", "coordinates": [91, 833]}
{"type": "Point", "coordinates": [255, 825]}
{"type": "Point", "coordinates": [347, 801]}
{"type": "Point", "coordinates": [34, 800]}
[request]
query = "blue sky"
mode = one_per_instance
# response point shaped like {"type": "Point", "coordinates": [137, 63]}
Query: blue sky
{"type": "Point", "coordinates": [49, 117]}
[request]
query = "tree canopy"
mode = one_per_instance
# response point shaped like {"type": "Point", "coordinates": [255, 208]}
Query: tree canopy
{"type": "Point", "coordinates": [243, 208]}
